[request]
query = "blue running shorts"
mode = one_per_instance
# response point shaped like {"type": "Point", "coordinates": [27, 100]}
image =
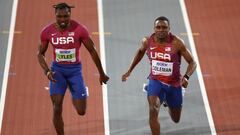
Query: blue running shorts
{"type": "Point", "coordinates": [167, 93]}
{"type": "Point", "coordinates": [68, 75]}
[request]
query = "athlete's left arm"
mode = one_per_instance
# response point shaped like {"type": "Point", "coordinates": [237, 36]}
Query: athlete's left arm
{"type": "Point", "coordinates": [189, 58]}
{"type": "Point", "coordinates": [91, 49]}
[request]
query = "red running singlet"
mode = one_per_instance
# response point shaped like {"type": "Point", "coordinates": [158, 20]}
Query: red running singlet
{"type": "Point", "coordinates": [165, 61]}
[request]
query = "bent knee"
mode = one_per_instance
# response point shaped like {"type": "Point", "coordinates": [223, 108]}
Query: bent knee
{"type": "Point", "coordinates": [175, 115]}
{"type": "Point", "coordinates": [81, 112]}
{"type": "Point", "coordinates": [176, 120]}
{"type": "Point", "coordinates": [153, 110]}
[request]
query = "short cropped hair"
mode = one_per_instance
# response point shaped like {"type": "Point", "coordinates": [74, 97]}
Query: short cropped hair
{"type": "Point", "coordinates": [162, 18]}
{"type": "Point", "coordinates": [62, 6]}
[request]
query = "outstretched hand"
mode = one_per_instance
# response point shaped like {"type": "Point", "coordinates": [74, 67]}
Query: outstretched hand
{"type": "Point", "coordinates": [103, 79]}
{"type": "Point", "coordinates": [125, 76]}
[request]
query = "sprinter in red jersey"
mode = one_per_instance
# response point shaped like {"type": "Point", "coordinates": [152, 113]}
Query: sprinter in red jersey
{"type": "Point", "coordinates": [165, 84]}
{"type": "Point", "coordinates": [66, 37]}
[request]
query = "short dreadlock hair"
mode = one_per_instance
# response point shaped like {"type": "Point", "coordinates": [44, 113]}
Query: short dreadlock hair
{"type": "Point", "coordinates": [62, 6]}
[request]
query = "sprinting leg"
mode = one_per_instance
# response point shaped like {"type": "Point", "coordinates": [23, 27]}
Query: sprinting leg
{"type": "Point", "coordinates": [154, 107]}
{"type": "Point", "coordinates": [174, 101]}
{"type": "Point", "coordinates": [78, 90]}
{"type": "Point", "coordinates": [57, 100]}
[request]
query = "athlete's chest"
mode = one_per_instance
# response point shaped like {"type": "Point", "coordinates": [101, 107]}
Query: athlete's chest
{"type": "Point", "coordinates": [64, 38]}
{"type": "Point", "coordinates": [163, 58]}
{"type": "Point", "coordinates": [164, 52]}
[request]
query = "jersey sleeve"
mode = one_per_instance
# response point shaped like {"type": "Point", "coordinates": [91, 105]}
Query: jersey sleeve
{"type": "Point", "coordinates": [84, 34]}
{"type": "Point", "coordinates": [43, 37]}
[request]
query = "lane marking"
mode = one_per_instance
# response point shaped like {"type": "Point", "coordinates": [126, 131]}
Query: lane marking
{"type": "Point", "coordinates": [8, 60]}
{"type": "Point", "coordinates": [199, 72]}
{"type": "Point", "coordinates": [15, 32]}
{"type": "Point", "coordinates": [186, 34]}
{"type": "Point", "coordinates": [99, 33]}
{"type": "Point", "coordinates": [103, 60]}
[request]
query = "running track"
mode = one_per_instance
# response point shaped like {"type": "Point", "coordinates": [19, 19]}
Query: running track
{"type": "Point", "coordinates": [28, 109]}
{"type": "Point", "coordinates": [218, 49]}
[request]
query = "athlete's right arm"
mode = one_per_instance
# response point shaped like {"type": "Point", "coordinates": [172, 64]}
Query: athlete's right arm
{"type": "Point", "coordinates": [42, 48]}
{"type": "Point", "coordinates": [137, 58]}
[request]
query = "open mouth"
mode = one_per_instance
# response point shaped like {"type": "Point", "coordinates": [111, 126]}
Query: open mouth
{"type": "Point", "coordinates": [63, 24]}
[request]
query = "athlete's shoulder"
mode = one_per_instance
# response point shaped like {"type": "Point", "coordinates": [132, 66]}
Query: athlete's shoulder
{"type": "Point", "coordinates": [177, 40]}
{"type": "Point", "coordinates": [81, 30]}
{"type": "Point", "coordinates": [147, 38]}
{"type": "Point", "coordinates": [179, 43]}
{"type": "Point", "coordinates": [78, 24]}
{"type": "Point", "coordinates": [47, 28]}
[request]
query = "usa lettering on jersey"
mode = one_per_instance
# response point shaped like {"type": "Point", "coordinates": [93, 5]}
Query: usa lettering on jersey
{"type": "Point", "coordinates": [62, 40]}
{"type": "Point", "coordinates": [160, 55]}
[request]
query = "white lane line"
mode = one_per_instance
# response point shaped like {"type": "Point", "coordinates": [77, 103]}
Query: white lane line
{"type": "Point", "coordinates": [199, 72]}
{"type": "Point", "coordinates": [8, 60]}
{"type": "Point", "coordinates": [103, 60]}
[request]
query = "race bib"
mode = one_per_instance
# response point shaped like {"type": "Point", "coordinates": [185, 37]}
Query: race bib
{"type": "Point", "coordinates": [66, 55]}
{"type": "Point", "coordinates": [162, 68]}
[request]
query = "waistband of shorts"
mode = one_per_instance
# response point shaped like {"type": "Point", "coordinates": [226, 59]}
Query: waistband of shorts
{"type": "Point", "coordinates": [166, 84]}
{"type": "Point", "coordinates": [67, 65]}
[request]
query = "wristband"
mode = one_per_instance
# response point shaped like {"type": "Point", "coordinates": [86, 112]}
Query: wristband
{"type": "Point", "coordinates": [186, 76]}
{"type": "Point", "coordinates": [46, 71]}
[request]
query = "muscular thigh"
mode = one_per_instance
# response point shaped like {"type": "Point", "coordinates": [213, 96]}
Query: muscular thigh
{"type": "Point", "coordinates": [60, 86]}
{"type": "Point", "coordinates": [77, 86]}
{"type": "Point", "coordinates": [154, 101]}
{"type": "Point", "coordinates": [155, 89]}
{"type": "Point", "coordinates": [174, 97]}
